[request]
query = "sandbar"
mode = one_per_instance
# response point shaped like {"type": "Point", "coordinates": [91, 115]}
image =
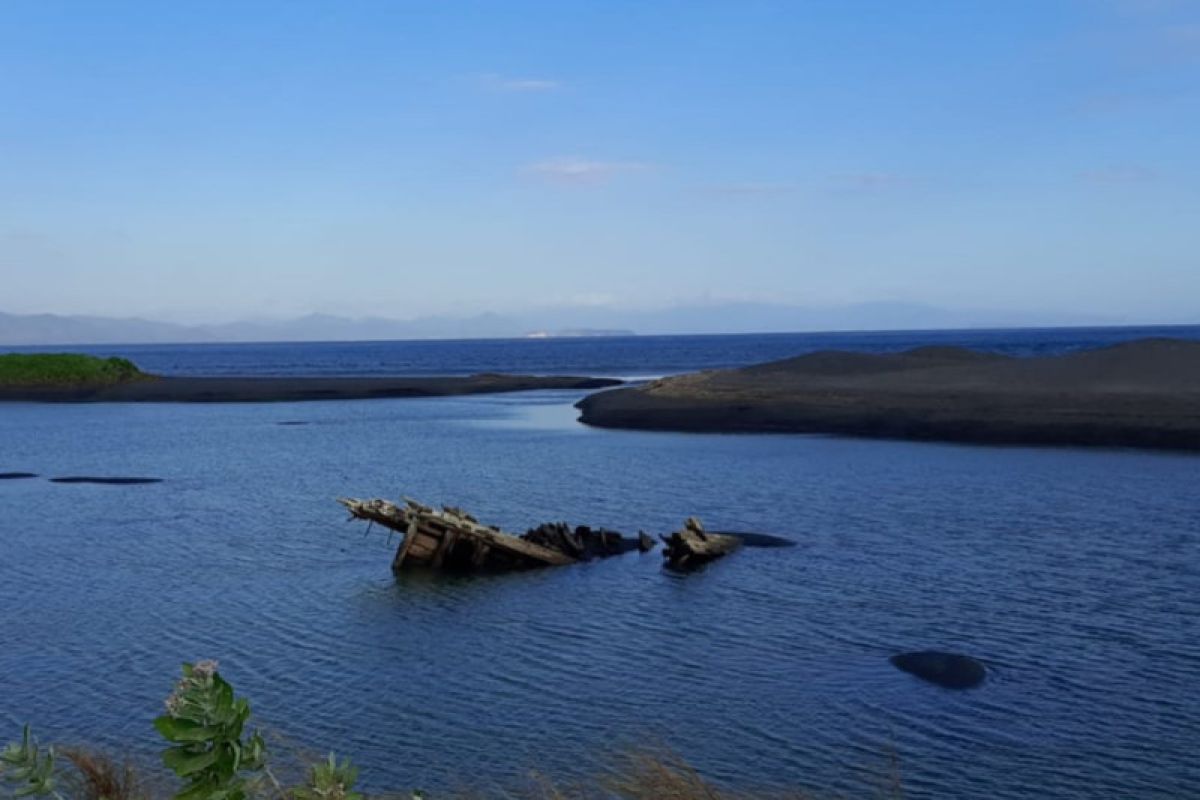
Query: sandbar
{"type": "Point", "coordinates": [1144, 393]}
{"type": "Point", "coordinates": [291, 389]}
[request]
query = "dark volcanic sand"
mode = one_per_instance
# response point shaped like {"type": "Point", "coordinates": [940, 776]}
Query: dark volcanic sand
{"type": "Point", "coordinates": [249, 390]}
{"type": "Point", "coordinates": [1142, 394]}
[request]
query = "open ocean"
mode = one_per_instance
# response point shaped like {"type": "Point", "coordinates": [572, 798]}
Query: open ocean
{"type": "Point", "coordinates": [1073, 573]}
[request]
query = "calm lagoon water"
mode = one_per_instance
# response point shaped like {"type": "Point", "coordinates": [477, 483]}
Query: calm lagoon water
{"type": "Point", "coordinates": [1074, 573]}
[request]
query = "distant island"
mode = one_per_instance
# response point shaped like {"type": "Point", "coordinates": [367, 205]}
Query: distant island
{"type": "Point", "coordinates": [70, 378]}
{"type": "Point", "coordinates": [1144, 393]}
{"type": "Point", "coordinates": [579, 333]}
{"type": "Point", "coordinates": [555, 321]}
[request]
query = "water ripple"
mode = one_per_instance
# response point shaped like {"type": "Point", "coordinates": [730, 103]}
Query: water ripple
{"type": "Point", "coordinates": [1072, 574]}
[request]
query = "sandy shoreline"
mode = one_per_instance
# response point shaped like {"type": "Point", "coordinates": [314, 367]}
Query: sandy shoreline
{"type": "Point", "coordinates": [266, 390]}
{"type": "Point", "coordinates": [1140, 394]}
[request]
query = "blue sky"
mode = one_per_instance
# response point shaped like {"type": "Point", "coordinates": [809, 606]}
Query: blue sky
{"type": "Point", "coordinates": [217, 160]}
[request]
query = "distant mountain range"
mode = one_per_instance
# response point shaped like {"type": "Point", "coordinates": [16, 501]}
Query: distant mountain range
{"type": "Point", "coordinates": [54, 329]}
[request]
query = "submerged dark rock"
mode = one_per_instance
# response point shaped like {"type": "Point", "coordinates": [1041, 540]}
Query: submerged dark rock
{"type": "Point", "coordinates": [121, 481]}
{"type": "Point", "coordinates": [949, 670]}
{"type": "Point", "coordinates": [12, 476]}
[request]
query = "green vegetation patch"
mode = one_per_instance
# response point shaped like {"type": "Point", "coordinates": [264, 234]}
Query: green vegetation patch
{"type": "Point", "coordinates": [65, 369]}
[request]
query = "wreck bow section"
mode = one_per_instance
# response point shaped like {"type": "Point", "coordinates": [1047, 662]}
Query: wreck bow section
{"type": "Point", "coordinates": [451, 539]}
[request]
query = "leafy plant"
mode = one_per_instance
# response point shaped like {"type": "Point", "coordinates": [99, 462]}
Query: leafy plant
{"type": "Point", "coordinates": [330, 780]}
{"type": "Point", "coordinates": [23, 764]}
{"type": "Point", "coordinates": [204, 723]}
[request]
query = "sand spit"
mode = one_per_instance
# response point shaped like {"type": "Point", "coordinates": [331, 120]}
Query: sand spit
{"type": "Point", "coordinates": [263, 390]}
{"type": "Point", "coordinates": [1144, 393]}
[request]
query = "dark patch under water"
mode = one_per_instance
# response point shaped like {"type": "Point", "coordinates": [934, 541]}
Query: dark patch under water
{"type": "Point", "coordinates": [12, 476]}
{"type": "Point", "coordinates": [759, 539]}
{"type": "Point", "coordinates": [115, 481]}
{"type": "Point", "coordinates": [948, 670]}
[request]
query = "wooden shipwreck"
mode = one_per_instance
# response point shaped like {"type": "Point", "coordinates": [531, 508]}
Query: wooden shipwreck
{"type": "Point", "coordinates": [450, 539]}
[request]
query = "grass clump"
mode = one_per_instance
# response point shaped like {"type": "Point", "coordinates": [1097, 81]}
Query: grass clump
{"type": "Point", "coordinates": [65, 369]}
{"type": "Point", "coordinates": [99, 777]}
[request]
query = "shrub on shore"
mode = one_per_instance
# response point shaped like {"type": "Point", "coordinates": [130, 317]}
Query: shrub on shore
{"type": "Point", "coordinates": [65, 369]}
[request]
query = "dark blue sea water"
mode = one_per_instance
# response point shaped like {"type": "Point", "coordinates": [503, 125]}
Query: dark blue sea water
{"type": "Point", "coordinates": [623, 356]}
{"type": "Point", "coordinates": [1074, 573]}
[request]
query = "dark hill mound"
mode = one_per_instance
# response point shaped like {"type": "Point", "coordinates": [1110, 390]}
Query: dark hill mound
{"type": "Point", "coordinates": [1144, 393]}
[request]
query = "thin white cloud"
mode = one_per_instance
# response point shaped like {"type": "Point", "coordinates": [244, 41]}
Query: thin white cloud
{"type": "Point", "coordinates": [1145, 6]}
{"type": "Point", "coordinates": [1185, 38]}
{"type": "Point", "coordinates": [1162, 45]}
{"type": "Point", "coordinates": [574, 170]}
{"type": "Point", "coordinates": [867, 181]}
{"type": "Point", "coordinates": [1117, 175]}
{"type": "Point", "coordinates": [750, 189]}
{"type": "Point", "coordinates": [502, 83]}
{"type": "Point", "coordinates": [1108, 103]}
{"type": "Point", "coordinates": [584, 299]}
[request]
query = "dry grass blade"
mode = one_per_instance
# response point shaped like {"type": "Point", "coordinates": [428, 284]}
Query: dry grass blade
{"type": "Point", "coordinates": [100, 778]}
{"type": "Point", "coordinates": [660, 777]}
{"type": "Point", "coordinates": [657, 774]}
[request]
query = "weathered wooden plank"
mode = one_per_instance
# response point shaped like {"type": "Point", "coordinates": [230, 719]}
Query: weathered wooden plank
{"type": "Point", "coordinates": [386, 514]}
{"type": "Point", "coordinates": [403, 549]}
{"type": "Point", "coordinates": [479, 557]}
{"type": "Point", "coordinates": [521, 547]}
{"type": "Point", "coordinates": [448, 540]}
